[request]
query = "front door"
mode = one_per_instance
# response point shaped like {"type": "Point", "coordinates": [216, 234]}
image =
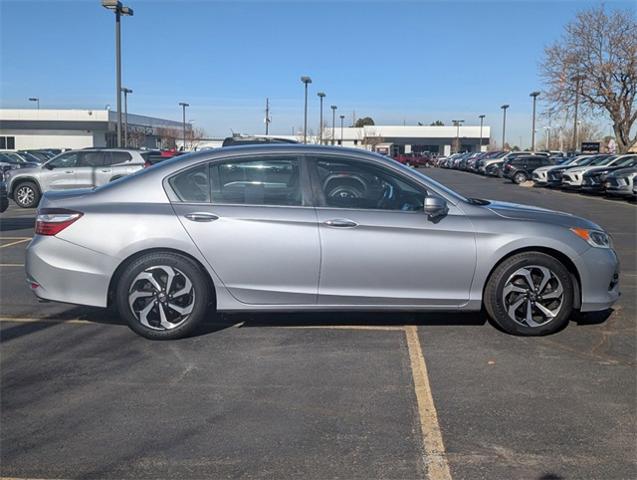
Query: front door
{"type": "Point", "coordinates": [379, 248]}
{"type": "Point", "coordinates": [60, 172]}
{"type": "Point", "coordinates": [251, 219]}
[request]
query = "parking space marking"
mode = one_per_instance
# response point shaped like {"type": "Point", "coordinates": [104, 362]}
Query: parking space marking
{"type": "Point", "coordinates": [435, 454]}
{"type": "Point", "coordinates": [14, 243]}
{"type": "Point", "coordinates": [11, 264]}
{"type": "Point", "coordinates": [46, 320]}
{"type": "Point", "coordinates": [14, 238]}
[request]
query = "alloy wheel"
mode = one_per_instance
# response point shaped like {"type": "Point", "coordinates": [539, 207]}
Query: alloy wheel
{"type": "Point", "coordinates": [161, 297]}
{"type": "Point", "coordinates": [533, 296]}
{"type": "Point", "coordinates": [25, 195]}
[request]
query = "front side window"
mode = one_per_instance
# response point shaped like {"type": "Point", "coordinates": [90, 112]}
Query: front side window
{"type": "Point", "coordinates": [67, 160]}
{"type": "Point", "coordinates": [347, 183]}
{"type": "Point", "coordinates": [261, 181]}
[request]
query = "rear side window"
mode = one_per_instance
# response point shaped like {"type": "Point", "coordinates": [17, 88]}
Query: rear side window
{"type": "Point", "coordinates": [262, 181]}
{"type": "Point", "coordinates": [92, 159]}
{"type": "Point", "coordinates": [113, 158]}
{"type": "Point", "coordinates": [193, 185]}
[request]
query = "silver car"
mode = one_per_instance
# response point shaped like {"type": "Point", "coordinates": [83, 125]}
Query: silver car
{"type": "Point", "coordinates": [75, 169]}
{"type": "Point", "coordinates": [297, 227]}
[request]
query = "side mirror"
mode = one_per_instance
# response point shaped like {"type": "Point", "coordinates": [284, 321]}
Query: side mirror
{"type": "Point", "coordinates": [48, 166]}
{"type": "Point", "coordinates": [435, 207]}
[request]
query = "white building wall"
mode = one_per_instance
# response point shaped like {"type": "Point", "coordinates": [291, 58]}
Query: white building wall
{"type": "Point", "coordinates": [33, 139]}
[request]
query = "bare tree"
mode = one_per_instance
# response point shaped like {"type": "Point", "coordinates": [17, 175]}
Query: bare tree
{"type": "Point", "coordinates": [194, 136]}
{"type": "Point", "coordinates": [600, 49]}
{"type": "Point", "coordinates": [168, 137]}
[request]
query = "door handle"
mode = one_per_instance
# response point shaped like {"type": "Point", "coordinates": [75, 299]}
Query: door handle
{"type": "Point", "coordinates": [201, 216]}
{"type": "Point", "coordinates": [107, 170]}
{"type": "Point", "coordinates": [341, 223]}
{"type": "Point", "coordinates": [69, 171]}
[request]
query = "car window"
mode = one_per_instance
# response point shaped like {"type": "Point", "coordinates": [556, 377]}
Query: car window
{"type": "Point", "coordinates": [347, 183]}
{"type": "Point", "coordinates": [193, 185]}
{"type": "Point", "coordinates": [263, 181]}
{"type": "Point", "coordinates": [113, 158]}
{"type": "Point", "coordinates": [92, 159]}
{"type": "Point", "coordinates": [67, 160]}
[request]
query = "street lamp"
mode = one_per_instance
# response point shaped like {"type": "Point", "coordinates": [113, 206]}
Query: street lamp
{"type": "Point", "coordinates": [126, 91]}
{"type": "Point", "coordinates": [321, 96]}
{"type": "Point", "coordinates": [534, 95]}
{"type": "Point", "coordinates": [504, 124]}
{"type": "Point", "coordinates": [183, 105]}
{"type": "Point", "coordinates": [333, 107]}
{"type": "Point", "coordinates": [306, 81]}
{"type": "Point", "coordinates": [547, 129]}
{"type": "Point", "coordinates": [481, 117]}
{"type": "Point", "coordinates": [577, 79]}
{"type": "Point", "coordinates": [35, 99]}
{"type": "Point", "coordinates": [457, 124]}
{"type": "Point", "coordinates": [116, 7]}
{"type": "Point", "coordinates": [341, 117]}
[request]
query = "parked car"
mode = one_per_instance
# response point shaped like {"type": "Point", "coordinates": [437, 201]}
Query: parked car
{"type": "Point", "coordinates": [4, 198]}
{"type": "Point", "coordinates": [594, 180]}
{"type": "Point", "coordinates": [11, 160]}
{"type": "Point", "coordinates": [497, 164]}
{"type": "Point", "coordinates": [621, 182]}
{"type": "Point", "coordinates": [547, 176]}
{"type": "Point", "coordinates": [253, 140]}
{"type": "Point", "coordinates": [489, 158]}
{"type": "Point", "coordinates": [572, 177]}
{"type": "Point", "coordinates": [41, 155]}
{"type": "Point", "coordinates": [75, 169]}
{"type": "Point", "coordinates": [254, 228]}
{"type": "Point", "coordinates": [520, 169]}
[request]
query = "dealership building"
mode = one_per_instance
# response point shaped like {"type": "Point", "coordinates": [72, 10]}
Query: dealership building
{"type": "Point", "coordinates": [22, 129]}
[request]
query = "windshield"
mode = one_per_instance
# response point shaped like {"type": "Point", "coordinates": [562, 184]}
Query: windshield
{"type": "Point", "coordinates": [626, 162]}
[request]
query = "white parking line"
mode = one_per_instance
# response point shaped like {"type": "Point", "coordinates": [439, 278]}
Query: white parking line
{"type": "Point", "coordinates": [14, 243]}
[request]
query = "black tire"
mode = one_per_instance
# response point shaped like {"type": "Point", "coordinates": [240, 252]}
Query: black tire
{"type": "Point", "coordinates": [183, 267]}
{"type": "Point", "coordinates": [494, 301]}
{"type": "Point", "coordinates": [520, 177]}
{"type": "Point", "coordinates": [26, 195]}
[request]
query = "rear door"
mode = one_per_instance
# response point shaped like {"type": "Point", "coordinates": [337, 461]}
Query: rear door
{"type": "Point", "coordinates": [252, 219]}
{"type": "Point", "coordinates": [116, 165]}
{"type": "Point", "coordinates": [91, 162]}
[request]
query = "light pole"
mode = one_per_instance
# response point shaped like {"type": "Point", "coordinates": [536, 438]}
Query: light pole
{"type": "Point", "coordinates": [577, 79]}
{"type": "Point", "coordinates": [534, 95]}
{"type": "Point", "coordinates": [548, 137]}
{"type": "Point", "coordinates": [306, 81]}
{"type": "Point", "coordinates": [321, 96]}
{"type": "Point", "coordinates": [35, 99]}
{"type": "Point", "coordinates": [183, 106]}
{"type": "Point", "coordinates": [481, 117]}
{"type": "Point", "coordinates": [267, 115]}
{"type": "Point", "coordinates": [333, 107]}
{"type": "Point", "coordinates": [457, 123]}
{"type": "Point", "coordinates": [341, 117]}
{"type": "Point", "coordinates": [504, 124]}
{"type": "Point", "coordinates": [126, 91]}
{"type": "Point", "coordinates": [119, 10]}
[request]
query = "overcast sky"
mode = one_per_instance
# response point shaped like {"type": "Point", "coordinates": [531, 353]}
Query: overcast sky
{"type": "Point", "coordinates": [394, 61]}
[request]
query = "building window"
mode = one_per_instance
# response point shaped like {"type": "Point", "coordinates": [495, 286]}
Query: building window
{"type": "Point", "coordinates": [355, 142]}
{"type": "Point", "coordinates": [7, 143]}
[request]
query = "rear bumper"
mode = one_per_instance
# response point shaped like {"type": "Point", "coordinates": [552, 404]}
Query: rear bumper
{"type": "Point", "coordinates": [599, 275]}
{"type": "Point", "coordinates": [61, 271]}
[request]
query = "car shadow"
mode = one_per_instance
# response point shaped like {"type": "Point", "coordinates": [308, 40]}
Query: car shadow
{"type": "Point", "coordinates": [16, 223]}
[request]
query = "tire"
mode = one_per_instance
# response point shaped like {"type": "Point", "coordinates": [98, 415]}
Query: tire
{"type": "Point", "coordinates": [139, 301]}
{"type": "Point", "coordinates": [26, 195]}
{"type": "Point", "coordinates": [556, 296]}
{"type": "Point", "coordinates": [519, 178]}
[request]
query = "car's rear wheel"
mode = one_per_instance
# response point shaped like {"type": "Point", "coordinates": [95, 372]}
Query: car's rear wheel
{"type": "Point", "coordinates": [520, 177]}
{"type": "Point", "coordinates": [530, 294]}
{"type": "Point", "coordinates": [26, 195]}
{"type": "Point", "coordinates": [163, 295]}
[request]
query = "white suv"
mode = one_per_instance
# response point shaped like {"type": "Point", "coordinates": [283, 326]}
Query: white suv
{"type": "Point", "coordinates": [75, 169]}
{"type": "Point", "coordinates": [573, 177]}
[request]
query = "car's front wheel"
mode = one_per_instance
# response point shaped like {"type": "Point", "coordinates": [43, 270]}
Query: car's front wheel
{"type": "Point", "coordinates": [27, 195]}
{"type": "Point", "coordinates": [163, 295]}
{"type": "Point", "coordinates": [520, 177]}
{"type": "Point", "coordinates": [530, 294]}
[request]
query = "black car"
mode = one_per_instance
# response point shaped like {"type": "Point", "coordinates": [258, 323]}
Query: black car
{"type": "Point", "coordinates": [9, 160]}
{"type": "Point", "coordinates": [519, 169]}
{"type": "Point", "coordinates": [4, 198]}
{"type": "Point", "coordinates": [594, 180]}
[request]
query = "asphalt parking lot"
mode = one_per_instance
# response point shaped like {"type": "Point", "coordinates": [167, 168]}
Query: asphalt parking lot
{"type": "Point", "coordinates": [322, 395]}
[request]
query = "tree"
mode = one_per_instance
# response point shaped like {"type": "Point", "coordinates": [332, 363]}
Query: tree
{"type": "Point", "coordinates": [437, 123]}
{"type": "Point", "coordinates": [600, 48]}
{"type": "Point", "coordinates": [362, 122]}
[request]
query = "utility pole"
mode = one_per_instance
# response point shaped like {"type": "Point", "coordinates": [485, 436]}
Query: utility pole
{"type": "Point", "coordinates": [267, 115]}
{"type": "Point", "coordinates": [577, 79]}
{"type": "Point", "coordinates": [504, 124]}
{"type": "Point", "coordinates": [126, 91]}
{"type": "Point", "coordinates": [306, 81]}
{"type": "Point", "coordinates": [457, 124]}
{"type": "Point", "coordinates": [481, 122]}
{"type": "Point", "coordinates": [183, 106]}
{"type": "Point", "coordinates": [321, 96]}
{"type": "Point", "coordinates": [534, 95]}
{"type": "Point", "coordinates": [333, 107]}
{"type": "Point", "coordinates": [342, 117]}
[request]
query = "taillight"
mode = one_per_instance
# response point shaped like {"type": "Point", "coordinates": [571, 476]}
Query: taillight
{"type": "Point", "coordinates": [147, 164]}
{"type": "Point", "coordinates": [51, 221]}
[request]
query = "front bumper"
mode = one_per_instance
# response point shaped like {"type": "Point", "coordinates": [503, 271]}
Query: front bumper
{"type": "Point", "coordinates": [61, 271]}
{"type": "Point", "coordinates": [599, 275]}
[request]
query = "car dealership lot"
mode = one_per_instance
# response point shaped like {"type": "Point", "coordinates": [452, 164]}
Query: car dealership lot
{"type": "Point", "coordinates": [321, 395]}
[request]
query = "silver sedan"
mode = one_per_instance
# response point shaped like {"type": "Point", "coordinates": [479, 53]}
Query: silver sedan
{"type": "Point", "coordinates": [296, 227]}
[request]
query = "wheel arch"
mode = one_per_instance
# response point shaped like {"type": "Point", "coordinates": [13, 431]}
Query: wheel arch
{"type": "Point", "coordinates": [18, 181]}
{"type": "Point", "coordinates": [561, 257]}
{"type": "Point", "coordinates": [127, 261]}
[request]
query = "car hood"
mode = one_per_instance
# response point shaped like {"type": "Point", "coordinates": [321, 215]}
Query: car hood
{"type": "Point", "coordinates": [516, 211]}
{"type": "Point", "coordinates": [623, 172]}
{"type": "Point", "coordinates": [30, 170]}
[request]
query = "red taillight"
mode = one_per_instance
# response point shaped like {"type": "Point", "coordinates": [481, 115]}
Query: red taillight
{"type": "Point", "coordinates": [51, 221]}
{"type": "Point", "coordinates": [147, 164]}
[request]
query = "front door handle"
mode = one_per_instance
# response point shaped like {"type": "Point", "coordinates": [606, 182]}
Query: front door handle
{"type": "Point", "coordinates": [69, 171]}
{"type": "Point", "coordinates": [201, 217]}
{"type": "Point", "coordinates": [106, 170]}
{"type": "Point", "coordinates": [341, 223]}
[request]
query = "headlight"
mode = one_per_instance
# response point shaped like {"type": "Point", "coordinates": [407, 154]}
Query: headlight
{"type": "Point", "coordinates": [595, 238]}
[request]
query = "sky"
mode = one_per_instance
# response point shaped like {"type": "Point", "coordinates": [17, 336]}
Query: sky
{"type": "Point", "coordinates": [398, 62]}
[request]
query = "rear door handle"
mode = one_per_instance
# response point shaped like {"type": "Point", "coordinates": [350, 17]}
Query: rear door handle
{"type": "Point", "coordinates": [201, 216]}
{"type": "Point", "coordinates": [69, 171]}
{"type": "Point", "coordinates": [107, 170]}
{"type": "Point", "coordinates": [341, 223]}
